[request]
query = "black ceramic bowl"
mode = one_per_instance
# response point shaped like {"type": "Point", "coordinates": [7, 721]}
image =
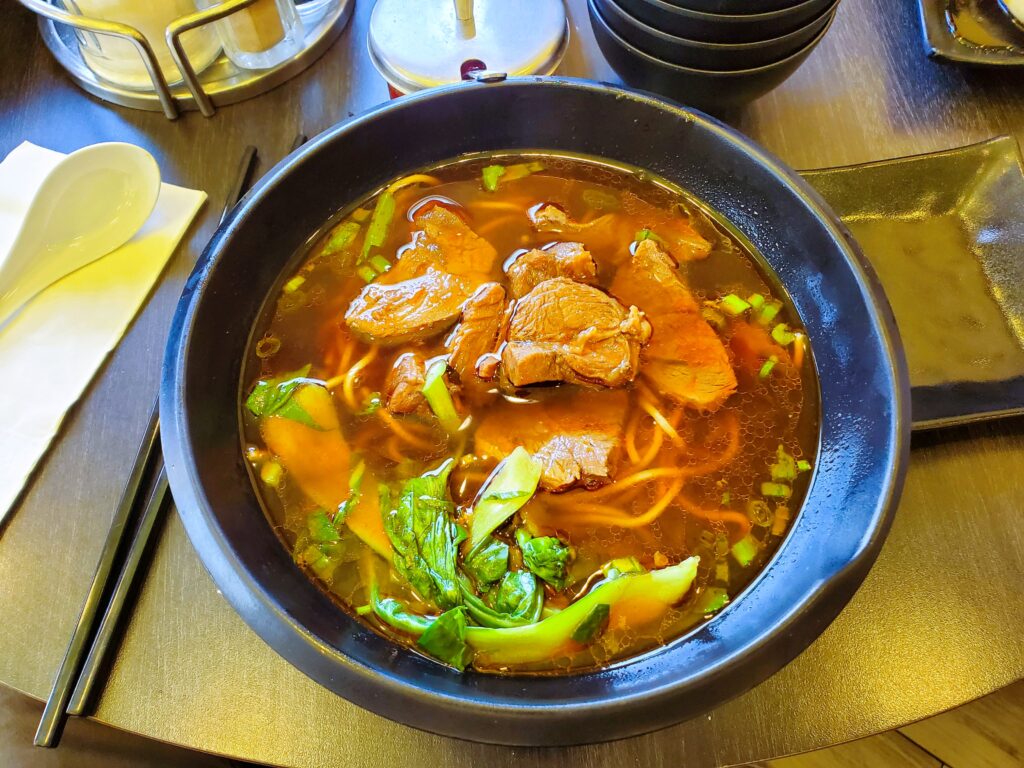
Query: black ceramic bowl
{"type": "Point", "coordinates": [735, 7]}
{"type": "Point", "coordinates": [724, 27]}
{"type": "Point", "coordinates": [712, 90]}
{"type": "Point", "coordinates": [720, 56]}
{"type": "Point", "coordinates": [864, 401]}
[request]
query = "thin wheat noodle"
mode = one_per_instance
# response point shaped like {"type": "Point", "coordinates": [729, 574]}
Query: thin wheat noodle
{"type": "Point", "coordinates": [719, 461]}
{"type": "Point", "coordinates": [499, 205]}
{"type": "Point", "coordinates": [631, 451]}
{"type": "Point", "coordinates": [716, 515]}
{"type": "Point", "coordinates": [391, 450]}
{"type": "Point", "coordinates": [661, 421]}
{"type": "Point", "coordinates": [416, 178]}
{"type": "Point", "coordinates": [621, 519]}
{"type": "Point", "coordinates": [349, 379]}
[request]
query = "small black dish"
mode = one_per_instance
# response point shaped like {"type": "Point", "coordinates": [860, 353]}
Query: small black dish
{"type": "Point", "coordinates": [971, 32]}
{"type": "Point", "coordinates": [721, 56]}
{"type": "Point", "coordinates": [707, 89]}
{"type": "Point", "coordinates": [943, 231]}
{"type": "Point", "coordinates": [721, 27]}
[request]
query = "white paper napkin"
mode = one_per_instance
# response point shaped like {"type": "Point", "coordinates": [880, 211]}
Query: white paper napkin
{"type": "Point", "coordinates": [52, 349]}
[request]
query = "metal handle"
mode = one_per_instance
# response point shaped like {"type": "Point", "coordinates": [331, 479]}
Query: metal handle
{"type": "Point", "coordinates": [123, 31]}
{"type": "Point", "coordinates": [178, 27]}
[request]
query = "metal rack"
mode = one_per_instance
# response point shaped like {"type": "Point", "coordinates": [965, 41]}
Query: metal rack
{"type": "Point", "coordinates": [220, 84]}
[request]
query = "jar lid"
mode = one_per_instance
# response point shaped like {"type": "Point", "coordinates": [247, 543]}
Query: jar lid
{"type": "Point", "coordinates": [418, 44]}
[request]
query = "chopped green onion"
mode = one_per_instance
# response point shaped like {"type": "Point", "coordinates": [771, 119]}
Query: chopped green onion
{"type": "Point", "coordinates": [726, 498]}
{"type": "Point", "coordinates": [722, 571]}
{"type": "Point", "coordinates": [783, 335]}
{"type": "Point", "coordinates": [364, 610]}
{"type": "Point", "coordinates": [756, 300]}
{"type": "Point", "coordinates": [776, 490]}
{"type": "Point", "coordinates": [360, 215]}
{"type": "Point", "coordinates": [745, 550]}
{"type": "Point", "coordinates": [803, 465]}
{"type": "Point", "coordinates": [781, 520]}
{"type": "Point", "coordinates": [648, 234]}
{"type": "Point", "coordinates": [377, 230]}
{"type": "Point", "coordinates": [713, 599]}
{"type": "Point", "coordinates": [784, 468]}
{"type": "Point", "coordinates": [733, 305]}
{"type": "Point", "coordinates": [490, 175]}
{"type": "Point", "coordinates": [713, 317]}
{"type": "Point", "coordinates": [766, 369]}
{"type": "Point", "coordinates": [518, 474]}
{"type": "Point", "coordinates": [379, 263]}
{"type": "Point", "coordinates": [270, 474]}
{"type": "Point", "coordinates": [294, 284]}
{"type": "Point", "coordinates": [769, 311]}
{"type": "Point", "coordinates": [721, 546]}
{"type": "Point", "coordinates": [366, 272]}
{"type": "Point", "coordinates": [435, 390]}
{"type": "Point", "coordinates": [341, 236]}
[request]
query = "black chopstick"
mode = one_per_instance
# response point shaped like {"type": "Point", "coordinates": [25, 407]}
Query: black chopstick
{"type": "Point", "coordinates": [75, 681]}
{"type": "Point", "coordinates": [100, 645]}
{"type": "Point", "coordinates": [50, 724]}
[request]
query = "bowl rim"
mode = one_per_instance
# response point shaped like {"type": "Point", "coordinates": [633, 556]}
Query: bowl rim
{"type": "Point", "coordinates": [723, 74]}
{"type": "Point", "coordinates": [414, 702]}
{"type": "Point", "coordinates": [731, 18]}
{"type": "Point", "coordinates": [671, 39]}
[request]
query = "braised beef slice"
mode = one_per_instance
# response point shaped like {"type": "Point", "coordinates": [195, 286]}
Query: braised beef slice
{"type": "Point", "coordinates": [684, 358]}
{"type": "Point", "coordinates": [682, 240]}
{"type": "Point", "coordinates": [478, 332]}
{"type": "Point", "coordinates": [423, 293]}
{"type": "Point", "coordinates": [393, 313]}
{"type": "Point", "coordinates": [576, 442]}
{"type": "Point", "coordinates": [566, 331]}
{"type": "Point", "coordinates": [607, 234]}
{"type": "Point", "coordinates": [569, 260]}
{"type": "Point", "coordinates": [445, 242]}
{"type": "Point", "coordinates": [403, 387]}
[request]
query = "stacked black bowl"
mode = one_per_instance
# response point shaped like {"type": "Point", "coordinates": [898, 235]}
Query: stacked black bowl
{"type": "Point", "coordinates": [712, 54]}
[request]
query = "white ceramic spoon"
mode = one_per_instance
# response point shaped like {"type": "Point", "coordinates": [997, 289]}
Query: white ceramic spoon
{"type": "Point", "coordinates": [91, 203]}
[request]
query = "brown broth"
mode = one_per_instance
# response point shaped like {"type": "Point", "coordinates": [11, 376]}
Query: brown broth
{"type": "Point", "coordinates": [304, 326]}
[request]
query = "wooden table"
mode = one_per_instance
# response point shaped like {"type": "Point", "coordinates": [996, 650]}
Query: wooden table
{"type": "Point", "coordinates": [937, 622]}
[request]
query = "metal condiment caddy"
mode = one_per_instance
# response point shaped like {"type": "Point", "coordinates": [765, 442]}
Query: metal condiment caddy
{"type": "Point", "coordinates": [221, 83]}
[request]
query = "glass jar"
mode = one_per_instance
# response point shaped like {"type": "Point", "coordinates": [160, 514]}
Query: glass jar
{"type": "Point", "coordinates": [262, 35]}
{"type": "Point", "coordinates": [118, 60]}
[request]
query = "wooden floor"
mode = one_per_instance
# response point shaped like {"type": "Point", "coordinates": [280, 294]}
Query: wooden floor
{"type": "Point", "coordinates": [988, 733]}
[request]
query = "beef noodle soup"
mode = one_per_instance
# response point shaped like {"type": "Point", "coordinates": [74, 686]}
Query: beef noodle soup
{"type": "Point", "coordinates": [530, 413]}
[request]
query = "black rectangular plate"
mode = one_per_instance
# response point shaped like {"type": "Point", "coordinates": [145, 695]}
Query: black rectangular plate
{"type": "Point", "coordinates": [945, 233]}
{"type": "Point", "coordinates": [1000, 42]}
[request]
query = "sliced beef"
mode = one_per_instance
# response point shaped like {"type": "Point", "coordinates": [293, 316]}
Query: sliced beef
{"type": "Point", "coordinates": [685, 358]}
{"type": "Point", "coordinates": [569, 260]}
{"type": "Point", "coordinates": [575, 438]}
{"type": "Point", "coordinates": [393, 313]}
{"type": "Point", "coordinates": [683, 242]}
{"type": "Point", "coordinates": [478, 333]}
{"type": "Point", "coordinates": [566, 331]}
{"type": "Point", "coordinates": [608, 234]}
{"type": "Point", "coordinates": [445, 242]}
{"type": "Point", "coordinates": [403, 387]}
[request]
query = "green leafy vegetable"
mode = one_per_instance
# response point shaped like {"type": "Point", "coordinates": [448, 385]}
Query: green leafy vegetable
{"type": "Point", "coordinates": [648, 234]}
{"type": "Point", "coordinates": [733, 305]}
{"type": "Point", "coordinates": [372, 405]}
{"type": "Point", "coordinates": [622, 565]}
{"type": "Point", "coordinates": [445, 639]}
{"type": "Point", "coordinates": [517, 600]}
{"type": "Point", "coordinates": [487, 563]}
{"type": "Point", "coordinates": [593, 625]}
{"type": "Point", "coordinates": [745, 550]}
{"type": "Point", "coordinates": [425, 538]}
{"type": "Point", "coordinates": [545, 556]}
{"type": "Point", "coordinates": [435, 390]}
{"type": "Point", "coordinates": [274, 397]}
{"type": "Point", "coordinates": [393, 613]}
{"type": "Point", "coordinates": [510, 487]}
{"type": "Point", "coordinates": [490, 175]}
{"type": "Point", "coordinates": [355, 482]}
{"type": "Point", "coordinates": [713, 599]}
{"type": "Point", "coordinates": [320, 526]}
{"type": "Point", "coordinates": [380, 222]}
{"type": "Point", "coordinates": [341, 237]}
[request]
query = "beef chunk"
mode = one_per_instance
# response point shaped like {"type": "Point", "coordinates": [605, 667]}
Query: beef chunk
{"type": "Point", "coordinates": [569, 260]}
{"type": "Point", "coordinates": [575, 438]}
{"type": "Point", "coordinates": [403, 387]}
{"type": "Point", "coordinates": [685, 358]}
{"type": "Point", "coordinates": [445, 242]}
{"type": "Point", "coordinates": [393, 313]}
{"type": "Point", "coordinates": [566, 331]}
{"type": "Point", "coordinates": [479, 332]}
